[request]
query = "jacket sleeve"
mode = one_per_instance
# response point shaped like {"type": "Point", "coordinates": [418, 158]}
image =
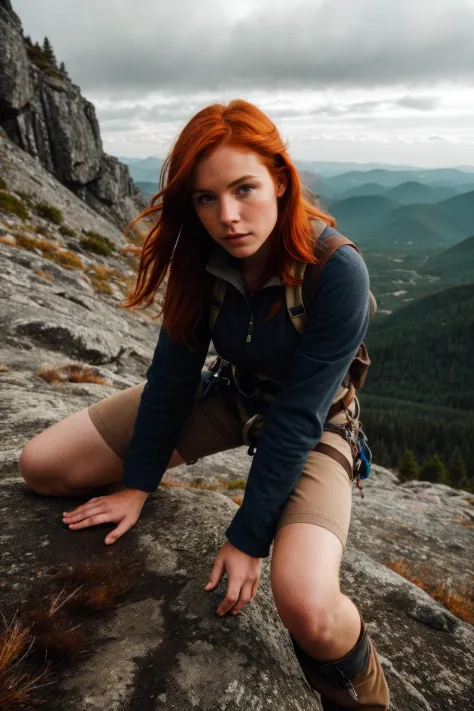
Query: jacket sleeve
{"type": "Point", "coordinates": [293, 424]}
{"type": "Point", "coordinates": [172, 380]}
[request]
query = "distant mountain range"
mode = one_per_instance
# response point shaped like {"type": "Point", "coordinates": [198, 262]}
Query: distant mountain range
{"type": "Point", "coordinates": [423, 352]}
{"type": "Point", "coordinates": [453, 266]}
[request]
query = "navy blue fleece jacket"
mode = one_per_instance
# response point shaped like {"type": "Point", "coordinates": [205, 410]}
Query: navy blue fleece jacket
{"type": "Point", "coordinates": [311, 368]}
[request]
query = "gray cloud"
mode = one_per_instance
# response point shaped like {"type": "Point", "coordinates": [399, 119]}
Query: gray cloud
{"type": "Point", "coordinates": [124, 49]}
{"type": "Point", "coordinates": [116, 117]}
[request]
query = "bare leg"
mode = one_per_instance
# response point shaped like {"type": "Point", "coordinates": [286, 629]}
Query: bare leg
{"type": "Point", "coordinates": [305, 583]}
{"type": "Point", "coordinates": [70, 458]}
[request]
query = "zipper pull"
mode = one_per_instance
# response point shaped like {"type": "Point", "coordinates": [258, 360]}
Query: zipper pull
{"type": "Point", "coordinates": [250, 329]}
{"type": "Point", "coordinates": [360, 487]}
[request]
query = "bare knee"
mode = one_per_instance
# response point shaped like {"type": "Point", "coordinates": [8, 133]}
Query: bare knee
{"type": "Point", "coordinates": [34, 469]}
{"type": "Point", "coordinates": [308, 613]}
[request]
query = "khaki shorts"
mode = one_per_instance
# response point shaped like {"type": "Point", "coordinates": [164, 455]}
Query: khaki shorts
{"type": "Point", "coordinates": [323, 493]}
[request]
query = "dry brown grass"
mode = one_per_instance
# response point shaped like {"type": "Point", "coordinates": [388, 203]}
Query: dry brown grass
{"type": "Point", "coordinates": [469, 499]}
{"type": "Point", "coordinates": [4, 368]}
{"type": "Point", "coordinates": [237, 499]}
{"type": "Point", "coordinates": [460, 602]}
{"type": "Point", "coordinates": [18, 688]}
{"type": "Point", "coordinates": [71, 373]}
{"type": "Point", "coordinates": [44, 275]}
{"type": "Point", "coordinates": [464, 522]}
{"type": "Point", "coordinates": [49, 632]}
{"type": "Point", "coordinates": [49, 250]}
{"type": "Point", "coordinates": [202, 485]}
{"type": "Point", "coordinates": [237, 484]}
{"type": "Point", "coordinates": [97, 585]}
{"type": "Point", "coordinates": [7, 240]}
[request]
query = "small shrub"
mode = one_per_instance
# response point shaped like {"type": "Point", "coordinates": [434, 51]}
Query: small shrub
{"type": "Point", "coordinates": [49, 250]}
{"type": "Point", "coordinates": [70, 373]}
{"type": "Point", "coordinates": [97, 243]}
{"type": "Point", "coordinates": [99, 277]}
{"type": "Point", "coordinates": [46, 247]}
{"type": "Point", "coordinates": [68, 260]}
{"type": "Point", "coordinates": [10, 203]}
{"type": "Point", "coordinates": [238, 484]}
{"type": "Point", "coordinates": [3, 185]}
{"type": "Point", "coordinates": [48, 212]}
{"type": "Point", "coordinates": [66, 231]}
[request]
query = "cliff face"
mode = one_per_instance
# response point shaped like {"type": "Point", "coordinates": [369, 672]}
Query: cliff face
{"type": "Point", "coordinates": [44, 113]}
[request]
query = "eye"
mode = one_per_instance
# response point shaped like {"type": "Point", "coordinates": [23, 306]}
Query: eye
{"type": "Point", "coordinates": [201, 199]}
{"type": "Point", "coordinates": [248, 189]}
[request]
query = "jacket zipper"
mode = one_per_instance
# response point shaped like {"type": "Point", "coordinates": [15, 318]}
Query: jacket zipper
{"type": "Point", "coordinates": [250, 329]}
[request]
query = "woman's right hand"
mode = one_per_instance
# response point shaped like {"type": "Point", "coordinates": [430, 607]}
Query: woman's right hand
{"type": "Point", "coordinates": [123, 507]}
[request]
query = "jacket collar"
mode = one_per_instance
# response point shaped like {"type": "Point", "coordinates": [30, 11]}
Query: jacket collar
{"type": "Point", "coordinates": [221, 264]}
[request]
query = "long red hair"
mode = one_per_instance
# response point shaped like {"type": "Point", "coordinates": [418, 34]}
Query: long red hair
{"type": "Point", "coordinates": [188, 287]}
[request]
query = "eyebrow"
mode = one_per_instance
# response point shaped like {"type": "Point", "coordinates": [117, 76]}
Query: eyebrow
{"type": "Point", "coordinates": [231, 185]}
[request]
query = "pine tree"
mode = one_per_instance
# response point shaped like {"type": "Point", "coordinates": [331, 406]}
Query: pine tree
{"type": "Point", "coordinates": [63, 70]}
{"type": "Point", "coordinates": [28, 41]}
{"type": "Point", "coordinates": [434, 470]}
{"type": "Point", "coordinates": [457, 470]}
{"type": "Point", "coordinates": [49, 52]}
{"type": "Point", "coordinates": [408, 467]}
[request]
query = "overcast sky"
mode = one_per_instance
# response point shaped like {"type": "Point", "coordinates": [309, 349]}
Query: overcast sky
{"type": "Point", "coordinates": [346, 80]}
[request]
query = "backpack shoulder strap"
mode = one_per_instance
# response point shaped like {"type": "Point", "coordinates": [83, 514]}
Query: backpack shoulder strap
{"type": "Point", "coordinates": [218, 295]}
{"type": "Point", "coordinates": [324, 250]}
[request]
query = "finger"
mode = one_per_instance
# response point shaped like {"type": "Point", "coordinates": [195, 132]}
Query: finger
{"type": "Point", "coordinates": [82, 506]}
{"type": "Point", "coordinates": [91, 521]}
{"type": "Point", "coordinates": [244, 598]}
{"type": "Point", "coordinates": [216, 574]}
{"type": "Point", "coordinates": [92, 511]}
{"type": "Point", "coordinates": [254, 589]}
{"type": "Point", "coordinates": [233, 594]}
{"type": "Point", "coordinates": [118, 532]}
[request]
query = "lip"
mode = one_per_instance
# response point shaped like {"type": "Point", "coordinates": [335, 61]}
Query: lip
{"type": "Point", "coordinates": [236, 237]}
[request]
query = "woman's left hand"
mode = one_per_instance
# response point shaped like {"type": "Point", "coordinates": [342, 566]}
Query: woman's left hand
{"type": "Point", "coordinates": [243, 575]}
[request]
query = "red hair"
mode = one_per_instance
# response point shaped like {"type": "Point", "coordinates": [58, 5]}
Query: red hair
{"type": "Point", "coordinates": [188, 287]}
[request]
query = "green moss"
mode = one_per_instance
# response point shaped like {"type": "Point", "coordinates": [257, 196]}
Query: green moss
{"type": "Point", "coordinates": [48, 212]}
{"type": "Point", "coordinates": [66, 231]}
{"type": "Point", "coordinates": [10, 203]}
{"type": "Point", "coordinates": [24, 196]}
{"type": "Point", "coordinates": [3, 185]}
{"type": "Point", "coordinates": [97, 243]}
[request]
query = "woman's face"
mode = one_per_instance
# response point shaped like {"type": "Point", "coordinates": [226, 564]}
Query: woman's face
{"type": "Point", "coordinates": [233, 193]}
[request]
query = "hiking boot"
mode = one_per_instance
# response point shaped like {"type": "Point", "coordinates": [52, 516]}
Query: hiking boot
{"type": "Point", "coordinates": [354, 682]}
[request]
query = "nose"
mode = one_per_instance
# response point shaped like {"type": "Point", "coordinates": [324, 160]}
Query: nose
{"type": "Point", "coordinates": [229, 211]}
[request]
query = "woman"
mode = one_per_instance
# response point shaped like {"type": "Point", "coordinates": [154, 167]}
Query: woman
{"type": "Point", "coordinates": [231, 208]}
